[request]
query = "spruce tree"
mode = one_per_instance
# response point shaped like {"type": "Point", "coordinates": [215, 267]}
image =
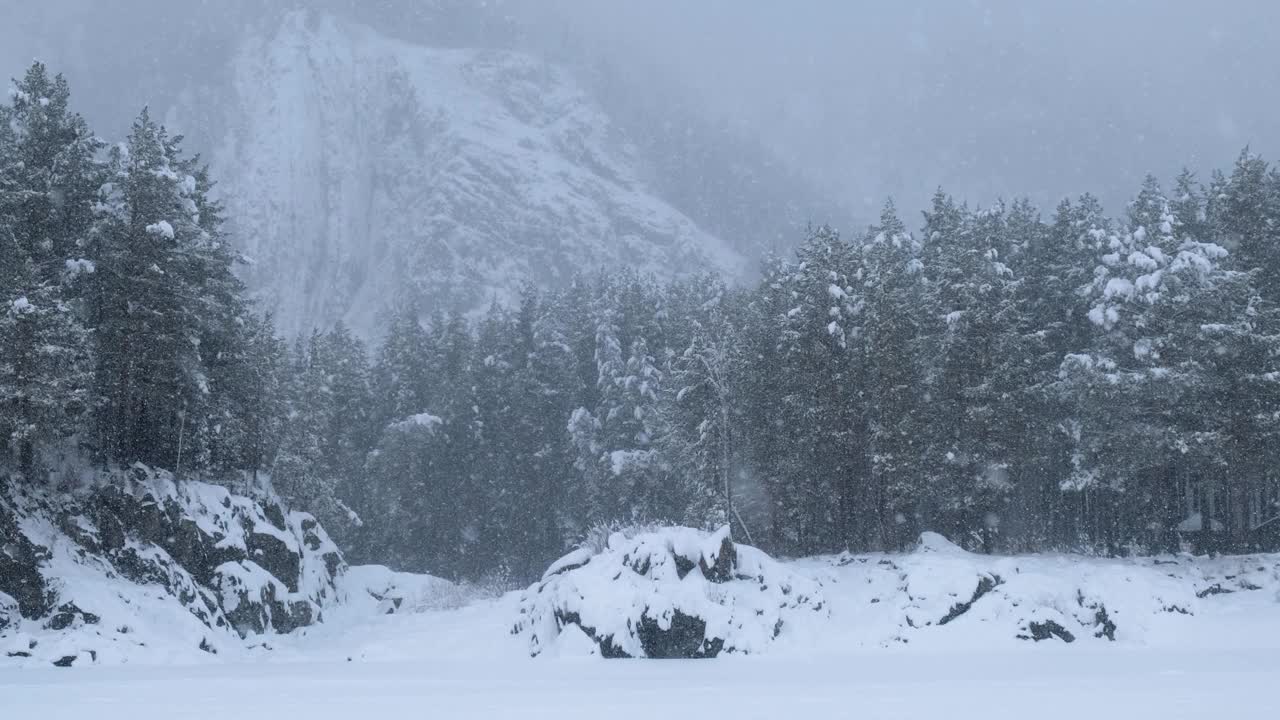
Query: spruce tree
{"type": "Point", "coordinates": [163, 278]}
{"type": "Point", "coordinates": [892, 283]}
{"type": "Point", "coordinates": [48, 176]}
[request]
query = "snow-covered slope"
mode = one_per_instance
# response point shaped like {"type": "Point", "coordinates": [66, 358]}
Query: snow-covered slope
{"type": "Point", "coordinates": [138, 568]}
{"type": "Point", "coordinates": [358, 170]}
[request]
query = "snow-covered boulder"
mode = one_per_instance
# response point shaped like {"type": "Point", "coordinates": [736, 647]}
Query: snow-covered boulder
{"type": "Point", "coordinates": [138, 566]}
{"type": "Point", "coordinates": [669, 593]}
{"type": "Point", "coordinates": [940, 595]}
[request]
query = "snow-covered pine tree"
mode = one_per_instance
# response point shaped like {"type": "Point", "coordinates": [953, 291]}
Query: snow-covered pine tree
{"type": "Point", "coordinates": [817, 480]}
{"type": "Point", "coordinates": [703, 440]}
{"type": "Point", "coordinates": [48, 177]}
{"type": "Point", "coordinates": [1245, 212]}
{"type": "Point", "coordinates": [401, 372]}
{"type": "Point", "coordinates": [545, 389]}
{"type": "Point", "coordinates": [971, 300]}
{"type": "Point", "coordinates": [892, 286]}
{"type": "Point", "coordinates": [764, 445]}
{"type": "Point", "coordinates": [1059, 263]}
{"type": "Point", "coordinates": [320, 465]}
{"type": "Point", "coordinates": [628, 479]}
{"type": "Point", "coordinates": [453, 508]}
{"type": "Point", "coordinates": [299, 470]}
{"type": "Point", "coordinates": [161, 269]}
{"type": "Point", "coordinates": [257, 399]}
{"type": "Point", "coordinates": [1161, 394]}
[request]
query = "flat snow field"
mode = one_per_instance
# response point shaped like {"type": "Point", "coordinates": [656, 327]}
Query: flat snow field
{"type": "Point", "coordinates": [1081, 684]}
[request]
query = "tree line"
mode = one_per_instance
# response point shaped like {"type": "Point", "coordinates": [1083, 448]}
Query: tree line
{"type": "Point", "coordinates": [1081, 382]}
{"type": "Point", "coordinates": [125, 335]}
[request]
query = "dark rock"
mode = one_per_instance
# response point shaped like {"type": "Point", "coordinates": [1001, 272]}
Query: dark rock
{"type": "Point", "coordinates": [65, 661]}
{"type": "Point", "coordinates": [332, 562]}
{"type": "Point", "coordinates": [1048, 629]}
{"type": "Point", "coordinates": [726, 559]}
{"type": "Point", "coordinates": [20, 561]}
{"type": "Point", "coordinates": [274, 515]}
{"type": "Point", "coordinates": [164, 523]}
{"type": "Point", "coordinates": [686, 638]}
{"type": "Point", "coordinates": [285, 618]}
{"type": "Point", "coordinates": [142, 569]}
{"type": "Point", "coordinates": [275, 557]}
{"type": "Point", "coordinates": [1106, 627]}
{"type": "Point", "coordinates": [111, 533]}
{"type": "Point", "coordinates": [684, 565]}
{"type": "Point", "coordinates": [1214, 589]}
{"type": "Point", "coordinates": [310, 537]}
{"type": "Point", "coordinates": [985, 585]}
{"type": "Point", "coordinates": [248, 618]}
{"type": "Point", "coordinates": [67, 614]}
{"type": "Point", "coordinates": [73, 525]}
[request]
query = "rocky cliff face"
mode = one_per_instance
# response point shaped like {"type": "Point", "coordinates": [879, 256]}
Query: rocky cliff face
{"type": "Point", "coordinates": [120, 568]}
{"type": "Point", "coordinates": [359, 170]}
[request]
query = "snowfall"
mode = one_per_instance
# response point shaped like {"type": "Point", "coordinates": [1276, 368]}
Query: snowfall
{"type": "Point", "coordinates": [936, 632]}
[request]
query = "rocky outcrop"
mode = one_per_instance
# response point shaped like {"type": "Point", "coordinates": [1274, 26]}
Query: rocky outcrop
{"type": "Point", "coordinates": [23, 590]}
{"type": "Point", "coordinates": [103, 567]}
{"type": "Point", "coordinates": [671, 593]}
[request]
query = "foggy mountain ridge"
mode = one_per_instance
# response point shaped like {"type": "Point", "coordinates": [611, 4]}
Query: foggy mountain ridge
{"type": "Point", "coordinates": [359, 171]}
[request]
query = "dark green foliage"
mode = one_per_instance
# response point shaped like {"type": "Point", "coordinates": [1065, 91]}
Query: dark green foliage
{"type": "Point", "coordinates": [1012, 382]}
{"type": "Point", "coordinates": [123, 328]}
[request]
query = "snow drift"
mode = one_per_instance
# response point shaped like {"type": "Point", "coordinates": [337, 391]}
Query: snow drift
{"type": "Point", "coordinates": [138, 567]}
{"type": "Point", "coordinates": [671, 593]}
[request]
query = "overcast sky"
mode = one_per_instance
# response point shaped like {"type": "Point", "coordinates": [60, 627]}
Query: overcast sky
{"type": "Point", "coordinates": [986, 97]}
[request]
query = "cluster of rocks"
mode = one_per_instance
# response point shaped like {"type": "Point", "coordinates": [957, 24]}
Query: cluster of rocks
{"type": "Point", "coordinates": [240, 565]}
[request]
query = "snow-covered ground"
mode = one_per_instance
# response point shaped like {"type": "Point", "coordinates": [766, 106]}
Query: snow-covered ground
{"type": "Point", "coordinates": [1049, 683]}
{"type": "Point", "coordinates": [1192, 638]}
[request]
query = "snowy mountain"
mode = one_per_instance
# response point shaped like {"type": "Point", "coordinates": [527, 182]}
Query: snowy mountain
{"type": "Point", "coordinates": [358, 170]}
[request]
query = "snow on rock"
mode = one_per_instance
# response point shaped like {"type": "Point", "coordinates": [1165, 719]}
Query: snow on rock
{"type": "Point", "coordinates": [572, 561]}
{"type": "Point", "coordinates": [939, 595]}
{"type": "Point", "coordinates": [673, 592]}
{"type": "Point", "coordinates": [136, 567]}
{"type": "Point", "coordinates": [932, 542]}
{"type": "Point", "coordinates": [573, 642]}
